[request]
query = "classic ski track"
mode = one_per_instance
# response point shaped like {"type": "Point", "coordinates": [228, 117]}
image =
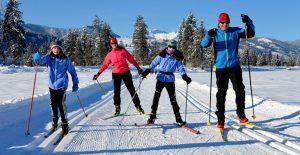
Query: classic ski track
{"type": "Point", "coordinates": [265, 137]}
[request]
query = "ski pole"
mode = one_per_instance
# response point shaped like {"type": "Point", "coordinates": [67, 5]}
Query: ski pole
{"type": "Point", "coordinates": [104, 92]}
{"type": "Point", "coordinates": [248, 59]}
{"type": "Point", "coordinates": [210, 85]}
{"type": "Point", "coordinates": [30, 109]}
{"type": "Point", "coordinates": [131, 101]}
{"type": "Point", "coordinates": [186, 93]}
{"type": "Point", "coordinates": [81, 104]}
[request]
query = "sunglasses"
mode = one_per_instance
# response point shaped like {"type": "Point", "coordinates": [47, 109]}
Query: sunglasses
{"type": "Point", "coordinates": [224, 22]}
{"type": "Point", "coordinates": [113, 43]}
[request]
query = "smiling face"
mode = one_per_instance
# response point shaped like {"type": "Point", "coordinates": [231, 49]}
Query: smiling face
{"type": "Point", "coordinates": [56, 50]}
{"type": "Point", "coordinates": [224, 25]}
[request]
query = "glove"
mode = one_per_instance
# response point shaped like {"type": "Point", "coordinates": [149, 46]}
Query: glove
{"type": "Point", "coordinates": [36, 57]}
{"type": "Point", "coordinates": [187, 79]}
{"type": "Point", "coordinates": [140, 71]}
{"type": "Point", "coordinates": [145, 73]}
{"type": "Point", "coordinates": [212, 32]}
{"type": "Point", "coordinates": [96, 76]}
{"type": "Point", "coordinates": [75, 88]}
{"type": "Point", "coordinates": [245, 18]}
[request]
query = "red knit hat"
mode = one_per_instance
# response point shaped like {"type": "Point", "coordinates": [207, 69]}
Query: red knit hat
{"type": "Point", "coordinates": [223, 17]}
{"type": "Point", "coordinates": [113, 40]}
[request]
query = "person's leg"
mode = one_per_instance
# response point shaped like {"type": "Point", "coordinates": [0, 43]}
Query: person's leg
{"type": "Point", "coordinates": [239, 88]}
{"type": "Point", "coordinates": [158, 89]}
{"type": "Point", "coordinates": [170, 86]}
{"type": "Point", "coordinates": [61, 98]}
{"type": "Point", "coordinates": [222, 84]}
{"type": "Point", "coordinates": [117, 90]}
{"type": "Point", "coordinates": [127, 78]}
{"type": "Point", "coordinates": [54, 110]}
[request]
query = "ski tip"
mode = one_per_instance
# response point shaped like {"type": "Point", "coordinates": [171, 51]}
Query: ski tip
{"type": "Point", "coordinates": [86, 115]}
{"type": "Point", "coordinates": [198, 132]}
{"type": "Point", "coordinates": [120, 124]}
{"type": "Point", "coordinates": [135, 124]}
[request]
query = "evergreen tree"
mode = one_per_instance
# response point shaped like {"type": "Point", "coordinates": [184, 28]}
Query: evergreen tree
{"type": "Point", "coordinates": [96, 52]}
{"type": "Point", "coordinates": [105, 41]}
{"type": "Point", "coordinates": [298, 61]}
{"type": "Point", "coordinates": [275, 60]}
{"type": "Point", "coordinates": [179, 36]}
{"type": "Point", "coordinates": [290, 60]}
{"type": "Point", "coordinates": [13, 32]}
{"type": "Point", "coordinates": [2, 54]}
{"type": "Point", "coordinates": [243, 58]}
{"type": "Point", "coordinates": [79, 54]}
{"type": "Point", "coordinates": [269, 58]}
{"type": "Point", "coordinates": [139, 40]}
{"type": "Point", "coordinates": [282, 60]}
{"type": "Point", "coordinates": [44, 48]}
{"type": "Point", "coordinates": [189, 29]}
{"type": "Point", "coordinates": [253, 57]}
{"type": "Point", "coordinates": [261, 60]}
{"type": "Point", "coordinates": [27, 58]}
{"type": "Point", "coordinates": [197, 55]}
{"type": "Point", "coordinates": [87, 47]}
{"type": "Point", "coordinates": [70, 44]}
{"type": "Point", "coordinates": [155, 48]}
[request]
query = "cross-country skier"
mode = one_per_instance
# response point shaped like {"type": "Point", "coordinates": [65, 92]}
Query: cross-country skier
{"type": "Point", "coordinates": [118, 57]}
{"type": "Point", "coordinates": [168, 60]}
{"type": "Point", "coordinates": [226, 44]}
{"type": "Point", "coordinates": [58, 65]}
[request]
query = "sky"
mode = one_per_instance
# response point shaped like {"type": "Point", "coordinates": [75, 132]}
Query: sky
{"type": "Point", "coordinates": [272, 18]}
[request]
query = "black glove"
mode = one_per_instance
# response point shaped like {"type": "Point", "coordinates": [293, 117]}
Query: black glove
{"type": "Point", "coordinates": [96, 76]}
{"type": "Point", "coordinates": [245, 18]}
{"type": "Point", "coordinates": [212, 32]}
{"type": "Point", "coordinates": [140, 71]}
{"type": "Point", "coordinates": [187, 79]}
{"type": "Point", "coordinates": [145, 73]}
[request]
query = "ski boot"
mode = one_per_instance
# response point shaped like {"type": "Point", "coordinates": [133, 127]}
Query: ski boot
{"type": "Point", "coordinates": [243, 119]}
{"type": "Point", "coordinates": [220, 123]}
{"type": "Point", "coordinates": [180, 122]}
{"type": "Point", "coordinates": [54, 127]}
{"type": "Point", "coordinates": [151, 120]}
{"type": "Point", "coordinates": [140, 110]}
{"type": "Point", "coordinates": [65, 128]}
{"type": "Point", "coordinates": [118, 110]}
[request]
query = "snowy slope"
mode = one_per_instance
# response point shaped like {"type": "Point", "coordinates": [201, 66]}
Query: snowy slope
{"type": "Point", "coordinates": [93, 135]}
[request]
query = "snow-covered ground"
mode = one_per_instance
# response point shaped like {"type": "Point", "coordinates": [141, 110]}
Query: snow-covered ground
{"type": "Point", "coordinates": [276, 102]}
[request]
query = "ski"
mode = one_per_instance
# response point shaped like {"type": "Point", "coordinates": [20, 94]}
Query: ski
{"type": "Point", "coordinates": [146, 124]}
{"type": "Point", "coordinates": [112, 116]}
{"type": "Point", "coordinates": [221, 131]}
{"type": "Point", "coordinates": [61, 136]}
{"type": "Point", "coordinates": [186, 128]}
{"type": "Point", "coordinates": [253, 125]}
{"type": "Point", "coordinates": [143, 114]}
{"type": "Point", "coordinates": [49, 133]}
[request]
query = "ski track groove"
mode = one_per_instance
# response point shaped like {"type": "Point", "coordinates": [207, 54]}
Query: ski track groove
{"type": "Point", "coordinates": [265, 137]}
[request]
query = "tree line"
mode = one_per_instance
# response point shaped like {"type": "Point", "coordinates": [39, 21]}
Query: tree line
{"type": "Point", "coordinates": [89, 49]}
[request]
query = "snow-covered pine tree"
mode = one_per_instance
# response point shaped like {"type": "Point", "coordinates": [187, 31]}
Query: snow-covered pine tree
{"type": "Point", "coordinates": [139, 40]}
{"type": "Point", "coordinates": [243, 58]}
{"type": "Point", "coordinates": [290, 60]}
{"type": "Point", "coordinates": [261, 60]}
{"type": "Point", "coordinates": [70, 44]}
{"type": "Point", "coordinates": [155, 47]}
{"type": "Point", "coordinates": [104, 41]}
{"type": "Point", "coordinates": [198, 55]}
{"type": "Point", "coordinates": [13, 32]}
{"type": "Point", "coordinates": [96, 56]}
{"type": "Point", "coordinates": [87, 47]}
{"type": "Point", "coordinates": [27, 57]}
{"type": "Point", "coordinates": [2, 55]}
{"type": "Point", "coordinates": [253, 57]}
{"type": "Point", "coordinates": [189, 29]}
{"type": "Point", "coordinates": [275, 60]}
{"type": "Point", "coordinates": [79, 54]}
{"type": "Point", "coordinates": [179, 36]}
{"type": "Point", "coordinates": [44, 48]}
{"type": "Point", "coordinates": [298, 61]}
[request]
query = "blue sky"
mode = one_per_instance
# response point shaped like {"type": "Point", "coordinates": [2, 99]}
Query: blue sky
{"type": "Point", "coordinates": [273, 18]}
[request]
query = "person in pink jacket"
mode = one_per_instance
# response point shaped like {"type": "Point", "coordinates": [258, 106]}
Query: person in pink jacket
{"type": "Point", "coordinates": [118, 57]}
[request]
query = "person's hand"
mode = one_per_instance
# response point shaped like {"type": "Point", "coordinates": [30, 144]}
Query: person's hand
{"type": "Point", "coordinates": [96, 76]}
{"type": "Point", "coordinates": [145, 73]}
{"type": "Point", "coordinates": [187, 79]}
{"type": "Point", "coordinates": [75, 88]}
{"type": "Point", "coordinates": [212, 32]}
{"type": "Point", "coordinates": [36, 57]}
{"type": "Point", "coordinates": [245, 18]}
{"type": "Point", "coordinates": [140, 71]}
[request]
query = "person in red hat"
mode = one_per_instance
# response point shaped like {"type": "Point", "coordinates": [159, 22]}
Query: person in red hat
{"type": "Point", "coordinates": [226, 42]}
{"type": "Point", "coordinates": [118, 57]}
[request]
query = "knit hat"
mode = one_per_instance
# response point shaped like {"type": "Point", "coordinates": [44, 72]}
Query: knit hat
{"type": "Point", "coordinates": [223, 17]}
{"type": "Point", "coordinates": [56, 44]}
{"type": "Point", "coordinates": [113, 40]}
{"type": "Point", "coordinates": [172, 43]}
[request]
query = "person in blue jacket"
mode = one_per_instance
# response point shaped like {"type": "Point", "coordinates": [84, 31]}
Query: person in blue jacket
{"type": "Point", "coordinates": [226, 43]}
{"type": "Point", "coordinates": [58, 65]}
{"type": "Point", "coordinates": [168, 60]}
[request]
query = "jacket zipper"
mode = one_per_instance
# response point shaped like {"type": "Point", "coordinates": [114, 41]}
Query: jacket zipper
{"type": "Point", "coordinates": [225, 35]}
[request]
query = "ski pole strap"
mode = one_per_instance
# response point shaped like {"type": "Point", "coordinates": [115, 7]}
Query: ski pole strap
{"type": "Point", "coordinates": [167, 73]}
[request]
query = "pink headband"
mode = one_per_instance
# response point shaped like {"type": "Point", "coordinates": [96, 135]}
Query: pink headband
{"type": "Point", "coordinates": [56, 46]}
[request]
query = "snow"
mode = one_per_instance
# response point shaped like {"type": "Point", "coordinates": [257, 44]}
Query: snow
{"type": "Point", "coordinates": [265, 40]}
{"type": "Point", "coordinates": [165, 36]}
{"type": "Point", "coordinates": [275, 97]}
{"type": "Point", "coordinates": [259, 47]}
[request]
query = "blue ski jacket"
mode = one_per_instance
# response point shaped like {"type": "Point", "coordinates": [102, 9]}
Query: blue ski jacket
{"type": "Point", "coordinates": [167, 64]}
{"type": "Point", "coordinates": [227, 44]}
{"type": "Point", "coordinates": [57, 69]}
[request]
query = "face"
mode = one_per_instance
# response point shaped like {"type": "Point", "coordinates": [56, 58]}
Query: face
{"type": "Point", "coordinates": [224, 25]}
{"type": "Point", "coordinates": [114, 45]}
{"type": "Point", "coordinates": [55, 50]}
{"type": "Point", "coordinates": [171, 49]}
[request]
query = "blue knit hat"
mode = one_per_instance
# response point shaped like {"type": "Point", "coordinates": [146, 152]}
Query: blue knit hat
{"type": "Point", "coordinates": [172, 43]}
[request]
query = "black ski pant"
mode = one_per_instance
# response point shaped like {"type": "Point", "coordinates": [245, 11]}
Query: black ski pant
{"type": "Point", "coordinates": [127, 79]}
{"type": "Point", "coordinates": [223, 76]}
{"type": "Point", "coordinates": [170, 86]}
{"type": "Point", "coordinates": [58, 98]}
